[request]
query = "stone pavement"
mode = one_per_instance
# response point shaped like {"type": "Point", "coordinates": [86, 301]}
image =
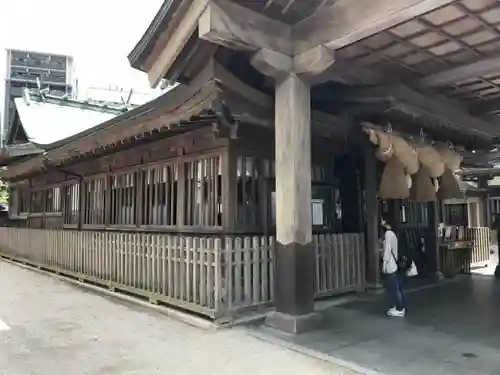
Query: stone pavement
{"type": "Point", "coordinates": [452, 329]}
{"type": "Point", "coordinates": [50, 327]}
{"type": "Point", "coordinates": [491, 265]}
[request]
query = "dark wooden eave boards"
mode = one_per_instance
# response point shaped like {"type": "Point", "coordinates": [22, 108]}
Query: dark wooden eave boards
{"type": "Point", "coordinates": [146, 44]}
{"type": "Point", "coordinates": [172, 111]}
{"type": "Point", "coordinates": [412, 102]}
{"type": "Point", "coordinates": [432, 113]}
{"type": "Point", "coordinates": [175, 112]}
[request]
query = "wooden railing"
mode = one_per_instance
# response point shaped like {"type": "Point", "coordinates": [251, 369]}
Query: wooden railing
{"type": "Point", "coordinates": [211, 276]}
{"type": "Point", "coordinates": [481, 240]}
{"type": "Point", "coordinates": [340, 263]}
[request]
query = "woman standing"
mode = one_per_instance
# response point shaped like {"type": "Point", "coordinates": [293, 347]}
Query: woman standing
{"type": "Point", "coordinates": [393, 278]}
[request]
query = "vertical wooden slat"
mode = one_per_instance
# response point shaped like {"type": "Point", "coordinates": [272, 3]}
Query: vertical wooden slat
{"type": "Point", "coordinates": [179, 269]}
{"type": "Point", "coordinates": [203, 271]}
{"type": "Point", "coordinates": [164, 265]}
{"type": "Point", "coordinates": [265, 242]}
{"type": "Point", "coordinates": [270, 252]}
{"type": "Point", "coordinates": [188, 265]}
{"type": "Point", "coordinates": [237, 270]}
{"type": "Point", "coordinates": [196, 260]}
{"type": "Point", "coordinates": [150, 263]}
{"type": "Point", "coordinates": [247, 270]}
{"type": "Point", "coordinates": [171, 243]}
{"type": "Point", "coordinates": [256, 264]}
{"type": "Point", "coordinates": [228, 255]}
{"type": "Point", "coordinates": [210, 273]}
{"type": "Point", "coordinates": [218, 277]}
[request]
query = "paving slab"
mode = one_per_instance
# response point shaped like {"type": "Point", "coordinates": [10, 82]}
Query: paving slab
{"type": "Point", "coordinates": [51, 327]}
{"type": "Point", "coordinates": [451, 329]}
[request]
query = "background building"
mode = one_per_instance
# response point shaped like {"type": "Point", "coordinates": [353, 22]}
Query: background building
{"type": "Point", "coordinates": [28, 69]}
{"type": "Point", "coordinates": [117, 94]}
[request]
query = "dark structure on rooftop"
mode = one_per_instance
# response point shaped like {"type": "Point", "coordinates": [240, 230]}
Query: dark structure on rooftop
{"type": "Point", "coordinates": [26, 69]}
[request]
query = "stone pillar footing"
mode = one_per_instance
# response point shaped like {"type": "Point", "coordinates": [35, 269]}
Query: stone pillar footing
{"type": "Point", "coordinates": [438, 276]}
{"type": "Point", "coordinates": [294, 324]}
{"type": "Point", "coordinates": [497, 271]}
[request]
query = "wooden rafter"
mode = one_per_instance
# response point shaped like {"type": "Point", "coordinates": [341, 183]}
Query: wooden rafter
{"type": "Point", "coordinates": [461, 73]}
{"type": "Point", "coordinates": [346, 21]}
{"type": "Point", "coordinates": [177, 41]}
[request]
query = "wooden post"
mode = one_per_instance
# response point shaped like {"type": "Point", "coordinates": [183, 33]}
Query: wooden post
{"type": "Point", "coordinates": [349, 194]}
{"type": "Point", "coordinates": [81, 203]}
{"type": "Point", "coordinates": [486, 219]}
{"type": "Point", "coordinates": [229, 187]}
{"type": "Point", "coordinates": [294, 257]}
{"type": "Point", "coordinates": [432, 246]}
{"type": "Point", "coordinates": [181, 191]}
{"type": "Point", "coordinates": [372, 216]}
{"type": "Point", "coordinates": [293, 72]}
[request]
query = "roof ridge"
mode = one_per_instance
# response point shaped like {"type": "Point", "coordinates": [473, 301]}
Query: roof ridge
{"type": "Point", "coordinates": [90, 104]}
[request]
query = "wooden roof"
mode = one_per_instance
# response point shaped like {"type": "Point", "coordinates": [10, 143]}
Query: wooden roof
{"type": "Point", "coordinates": [201, 103]}
{"type": "Point", "coordinates": [179, 110]}
{"type": "Point", "coordinates": [428, 64]}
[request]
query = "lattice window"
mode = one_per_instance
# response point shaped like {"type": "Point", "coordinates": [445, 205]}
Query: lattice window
{"type": "Point", "coordinates": [159, 198]}
{"type": "Point", "coordinates": [71, 203]}
{"type": "Point", "coordinates": [414, 213]}
{"type": "Point", "coordinates": [249, 210]}
{"type": "Point", "coordinates": [36, 204]}
{"type": "Point", "coordinates": [123, 198]}
{"type": "Point", "coordinates": [94, 200]}
{"type": "Point", "coordinates": [53, 200]}
{"type": "Point", "coordinates": [203, 192]}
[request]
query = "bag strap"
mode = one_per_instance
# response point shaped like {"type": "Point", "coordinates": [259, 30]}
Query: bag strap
{"type": "Point", "coordinates": [394, 257]}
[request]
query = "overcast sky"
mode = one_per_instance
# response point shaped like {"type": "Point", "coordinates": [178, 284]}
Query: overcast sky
{"type": "Point", "coordinates": [98, 33]}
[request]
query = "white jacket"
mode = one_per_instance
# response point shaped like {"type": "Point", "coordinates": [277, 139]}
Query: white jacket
{"type": "Point", "coordinates": [389, 264]}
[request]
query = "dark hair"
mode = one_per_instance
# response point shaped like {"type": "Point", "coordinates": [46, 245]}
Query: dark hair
{"type": "Point", "coordinates": [390, 222]}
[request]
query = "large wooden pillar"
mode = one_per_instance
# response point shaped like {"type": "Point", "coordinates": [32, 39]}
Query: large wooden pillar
{"type": "Point", "coordinates": [294, 256]}
{"type": "Point", "coordinates": [294, 252]}
{"type": "Point", "coordinates": [274, 55]}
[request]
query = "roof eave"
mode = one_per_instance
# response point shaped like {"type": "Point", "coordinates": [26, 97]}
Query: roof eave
{"type": "Point", "coordinates": [136, 56]}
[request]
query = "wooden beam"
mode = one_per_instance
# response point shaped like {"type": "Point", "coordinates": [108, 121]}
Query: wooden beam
{"type": "Point", "coordinates": [176, 42]}
{"type": "Point", "coordinates": [308, 64]}
{"type": "Point", "coordinates": [272, 63]}
{"type": "Point", "coordinates": [461, 73]}
{"type": "Point", "coordinates": [435, 105]}
{"type": "Point", "coordinates": [234, 26]}
{"type": "Point", "coordinates": [323, 124]}
{"type": "Point", "coordinates": [346, 21]}
{"type": "Point", "coordinates": [313, 62]}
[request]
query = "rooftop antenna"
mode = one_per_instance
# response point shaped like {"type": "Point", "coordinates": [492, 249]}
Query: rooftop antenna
{"type": "Point", "coordinates": [129, 97]}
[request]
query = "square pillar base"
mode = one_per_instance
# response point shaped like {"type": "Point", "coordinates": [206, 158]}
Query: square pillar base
{"type": "Point", "coordinates": [294, 324]}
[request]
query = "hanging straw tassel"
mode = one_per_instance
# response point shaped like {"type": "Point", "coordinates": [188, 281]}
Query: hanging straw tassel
{"type": "Point", "coordinates": [372, 135]}
{"type": "Point", "coordinates": [422, 190]}
{"type": "Point", "coordinates": [430, 158]}
{"type": "Point", "coordinates": [449, 187]}
{"type": "Point", "coordinates": [451, 159]}
{"type": "Point", "coordinates": [394, 184]}
{"type": "Point", "coordinates": [385, 150]}
{"type": "Point", "coordinates": [406, 154]}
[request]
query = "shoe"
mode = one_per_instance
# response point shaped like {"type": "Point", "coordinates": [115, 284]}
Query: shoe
{"type": "Point", "coordinates": [396, 313]}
